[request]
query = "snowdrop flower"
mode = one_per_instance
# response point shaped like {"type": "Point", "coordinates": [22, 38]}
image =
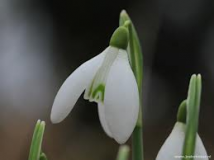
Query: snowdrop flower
{"type": "Point", "coordinates": [109, 81]}
{"type": "Point", "coordinates": [172, 147]}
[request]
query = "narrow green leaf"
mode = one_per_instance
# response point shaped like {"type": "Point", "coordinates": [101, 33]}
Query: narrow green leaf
{"type": "Point", "coordinates": [36, 130]}
{"type": "Point", "coordinates": [123, 153]}
{"type": "Point", "coordinates": [35, 149]}
{"type": "Point", "coordinates": [182, 111]}
{"type": "Point", "coordinates": [193, 106]}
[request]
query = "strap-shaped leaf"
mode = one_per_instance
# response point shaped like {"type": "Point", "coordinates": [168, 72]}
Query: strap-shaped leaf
{"type": "Point", "coordinates": [35, 149]}
{"type": "Point", "coordinates": [193, 107]}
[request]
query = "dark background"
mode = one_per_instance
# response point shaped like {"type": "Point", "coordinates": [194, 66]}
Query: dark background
{"type": "Point", "coordinates": [42, 42]}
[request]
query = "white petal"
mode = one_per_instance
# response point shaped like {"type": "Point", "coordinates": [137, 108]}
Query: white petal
{"type": "Point", "coordinates": [172, 147]}
{"type": "Point", "coordinates": [73, 87]}
{"type": "Point", "coordinates": [200, 149]}
{"type": "Point", "coordinates": [101, 112]}
{"type": "Point", "coordinates": [121, 99]}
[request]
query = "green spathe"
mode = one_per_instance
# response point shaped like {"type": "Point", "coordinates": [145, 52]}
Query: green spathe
{"type": "Point", "coordinates": [120, 38]}
{"type": "Point", "coordinates": [193, 107]}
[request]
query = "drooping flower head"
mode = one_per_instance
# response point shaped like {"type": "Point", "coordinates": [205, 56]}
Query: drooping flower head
{"type": "Point", "coordinates": [109, 81]}
{"type": "Point", "coordinates": [173, 146]}
{"type": "Point", "coordinates": [184, 141]}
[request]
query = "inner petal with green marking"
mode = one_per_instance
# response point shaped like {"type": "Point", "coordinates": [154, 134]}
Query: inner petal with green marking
{"type": "Point", "coordinates": [95, 92]}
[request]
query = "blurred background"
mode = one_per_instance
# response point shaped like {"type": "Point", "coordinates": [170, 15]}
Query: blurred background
{"type": "Point", "coordinates": [43, 41]}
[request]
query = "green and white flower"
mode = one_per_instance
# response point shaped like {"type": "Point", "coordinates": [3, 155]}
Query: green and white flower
{"type": "Point", "coordinates": [109, 81]}
{"type": "Point", "coordinates": [173, 146]}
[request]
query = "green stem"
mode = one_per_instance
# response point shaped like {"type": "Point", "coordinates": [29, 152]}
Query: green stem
{"type": "Point", "coordinates": [137, 146]}
{"type": "Point", "coordinates": [136, 61]}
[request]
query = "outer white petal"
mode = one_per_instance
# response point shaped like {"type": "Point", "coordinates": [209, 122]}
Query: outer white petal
{"type": "Point", "coordinates": [101, 112]}
{"type": "Point", "coordinates": [200, 149]}
{"type": "Point", "coordinates": [172, 147]}
{"type": "Point", "coordinates": [73, 87]}
{"type": "Point", "coordinates": [121, 99]}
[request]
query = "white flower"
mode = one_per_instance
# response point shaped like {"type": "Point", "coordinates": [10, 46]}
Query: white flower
{"type": "Point", "coordinates": [172, 147]}
{"type": "Point", "coordinates": [108, 80]}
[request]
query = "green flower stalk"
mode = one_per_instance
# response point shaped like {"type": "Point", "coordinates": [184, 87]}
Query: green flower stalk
{"type": "Point", "coordinates": [184, 142]}
{"type": "Point", "coordinates": [36, 144]}
{"type": "Point", "coordinates": [136, 61]}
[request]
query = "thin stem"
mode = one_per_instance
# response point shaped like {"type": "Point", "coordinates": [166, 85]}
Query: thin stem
{"type": "Point", "coordinates": [136, 61]}
{"type": "Point", "coordinates": [137, 146]}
